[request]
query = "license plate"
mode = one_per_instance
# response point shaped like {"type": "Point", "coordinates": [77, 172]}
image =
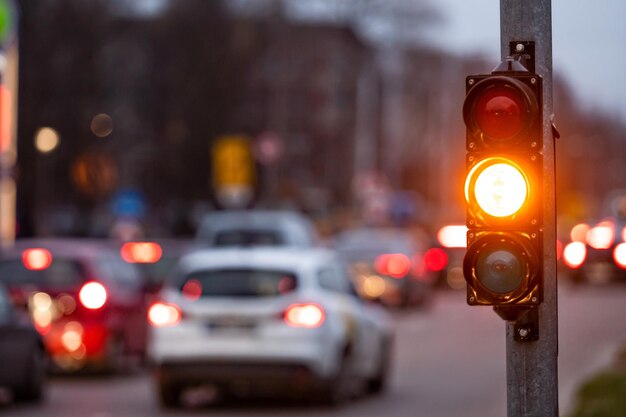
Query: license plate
{"type": "Point", "coordinates": [231, 324]}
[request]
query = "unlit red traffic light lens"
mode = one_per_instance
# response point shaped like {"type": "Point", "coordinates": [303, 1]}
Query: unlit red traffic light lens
{"type": "Point", "coordinates": [500, 112]}
{"type": "Point", "coordinates": [499, 189]}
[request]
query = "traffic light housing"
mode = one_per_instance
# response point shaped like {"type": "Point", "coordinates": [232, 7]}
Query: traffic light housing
{"type": "Point", "coordinates": [504, 187]}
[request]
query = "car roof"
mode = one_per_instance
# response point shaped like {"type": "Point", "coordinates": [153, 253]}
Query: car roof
{"type": "Point", "coordinates": [66, 247]}
{"type": "Point", "coordinates": [283, 258]}
{"type": "Point", "coordinates": [296, 228]}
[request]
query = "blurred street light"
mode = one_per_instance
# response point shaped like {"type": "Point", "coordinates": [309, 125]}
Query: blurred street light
{"type": "Point", "coordinates": [46, 139]}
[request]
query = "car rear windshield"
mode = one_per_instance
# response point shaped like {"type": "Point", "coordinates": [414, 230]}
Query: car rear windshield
{"type": "Point", "coordinates": [239, 283]}
{"type": "Point", "coordinates": [61, 273]}
{"type": "Point", "coordinates": [248, 238]}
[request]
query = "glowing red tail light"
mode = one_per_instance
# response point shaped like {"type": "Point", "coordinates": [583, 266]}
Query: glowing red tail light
{"type": "Point", "coordinates": [141, 252]}
{"type": "Point", "coordinates": [36, 259]}
{"type": "Point", "coordinates": [619, 255]}
{"type": "Point", "coordinates": [574, 254]}
{"type": "Point", "coordinates": [396, 265]}
{"type": "Point", "coordinates": [436, 259]}
{"type": "Point", "coordinates": [162, 314]}
{"type": "Point", "coordinates": [93, 295]}
{"type": "Point", "coordinates": [307, 315]}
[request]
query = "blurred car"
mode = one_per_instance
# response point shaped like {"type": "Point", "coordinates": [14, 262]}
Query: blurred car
{"type": "Point", "coordinates": [83, 298]}
{"type": "Point", "coordinates": [285, 320]}
{"type": "Point", "coordinates": [22, 352]}
{"type": "Point", "coordinates": [154, 258]}
{"type": "Point", "coordinates": [387, 265]}
{"type": "Point", "coordinates": [256, 228]}
{"type": "Point", "coordinates": [445, 258]}
{"type": "Point", "coordinates": [596, 254]}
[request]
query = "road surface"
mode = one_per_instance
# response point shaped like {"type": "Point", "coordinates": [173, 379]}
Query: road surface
{"type": "Point", "coordinates": [449, 362]}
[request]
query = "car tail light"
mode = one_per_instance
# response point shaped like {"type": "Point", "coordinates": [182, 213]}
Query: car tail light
{"type": "Point", "coordinates": [396, 265]}
{"type": "Point", "coordinates": [141, 252]}
{"type": "Point", "coordinates": [574, 254]}
{"type": "Point", "coordinates": [579, 232]}
{"type": "Point", "coordinates": [436, 259]}
{"type": "Point", "coordinates": [36, 259]}
{"type": "Point", "coordinates": [453, 236]}
{"type": "Point", "coordinates": [305, 315]}
{"type": "Point", "coordinates": [601, 236]}
{"type": "Point", "coordinates": [92, 295]}
{"type": "Point", "coordinates": [619, 255]}
{"type": "Point", "coordinates": [161, 314]}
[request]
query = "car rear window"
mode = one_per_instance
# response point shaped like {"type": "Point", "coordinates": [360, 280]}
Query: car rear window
{"type": "Point", "coordinates": [248, 238]}
{"type": "Point", "coordinates": [61, 273]}
{"type": "Point", "coordinates": [239, 283]}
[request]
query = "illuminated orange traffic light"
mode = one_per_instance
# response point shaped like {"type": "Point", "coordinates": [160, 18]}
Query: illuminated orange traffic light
{"type": "Point", "coordinates": [503, 187]}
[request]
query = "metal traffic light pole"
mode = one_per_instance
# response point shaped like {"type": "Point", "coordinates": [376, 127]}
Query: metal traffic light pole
{"type": "Point", "coordinates": [532, 382]}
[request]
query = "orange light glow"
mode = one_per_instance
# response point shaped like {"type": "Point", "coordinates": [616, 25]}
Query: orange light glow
{"type": "Point", "coordinates": [498, 186]}
{"type": "Point", "coordinates": [305, 315]}
{"type": "Point", "coordinates": [93, 295]}
{"type": "Point", "coordinates": [574, 254]}
{"type": "Point", "coordinates": [579, 232]}
{"type": "Point", "coordinates": [36, 259]}
{"type": "Point", "coordinates": [163, 314]}
{"type": "Point", "coordinates": [141, 252]}
{"type": "Point", "coordinates": [619, 255]}
{"type": "Point", "coordinates": [373, 286]}
{"type": "Point", "coordinates": [601, 236]}
{"type": "Point", "coordinates": [453, 236]}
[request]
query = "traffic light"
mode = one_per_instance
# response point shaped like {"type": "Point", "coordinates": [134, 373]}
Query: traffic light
{"type": "Point", "coordinates": [503, 187]}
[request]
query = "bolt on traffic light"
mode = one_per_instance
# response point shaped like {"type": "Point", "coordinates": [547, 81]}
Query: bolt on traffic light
{"type": "Point", "coordinates": [503, 187]}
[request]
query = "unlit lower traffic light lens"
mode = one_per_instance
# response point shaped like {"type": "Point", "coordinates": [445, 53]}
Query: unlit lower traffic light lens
{"type": "Point", "coordinates": [499, 189]}
{"type": "Point", "coordinates": [500, 270]}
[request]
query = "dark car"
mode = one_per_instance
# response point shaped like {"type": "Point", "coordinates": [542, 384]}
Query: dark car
{"type": "Point", "coordinates": [87, 303]}
{"type": "Point", "coordinates": [22, 352]}
{"type": "Point", "coordinates": [597, 254]}
{"type": "Point", "coordinates": [154, 258]}
{"type": "Point", "coordinates": [386, 265]}
{"type": "Point", "coordinates": [257, 228]}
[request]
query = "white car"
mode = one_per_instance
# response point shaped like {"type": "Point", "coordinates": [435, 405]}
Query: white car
{"type": "Point", "coordinates": [267, 318]}
{"type": "Point", "coordinates": [257, 228]}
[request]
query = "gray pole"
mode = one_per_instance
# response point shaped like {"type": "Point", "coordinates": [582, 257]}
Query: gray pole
{"type": "Point", "coordinates": [532, 383]}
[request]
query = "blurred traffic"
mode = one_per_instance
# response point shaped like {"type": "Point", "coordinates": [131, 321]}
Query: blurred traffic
{"type": "Point", "coordinates": [261, 198]}
{"type": "Point", "coordinates": [267, 319]}
{"type": "Point", "coordinates": [85, 301]}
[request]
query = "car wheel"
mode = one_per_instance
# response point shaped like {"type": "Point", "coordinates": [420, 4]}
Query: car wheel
{"type": "Point", "coordinates": [33, 388]}
{"type": "Point", "coordinates": [334, 390]}
{"type": "Point", "coordinates": [114, 360]}
{"type": "Point", "coordinates": [379, 382]}
{"type": "Point", "coordinates": [169, 394]}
